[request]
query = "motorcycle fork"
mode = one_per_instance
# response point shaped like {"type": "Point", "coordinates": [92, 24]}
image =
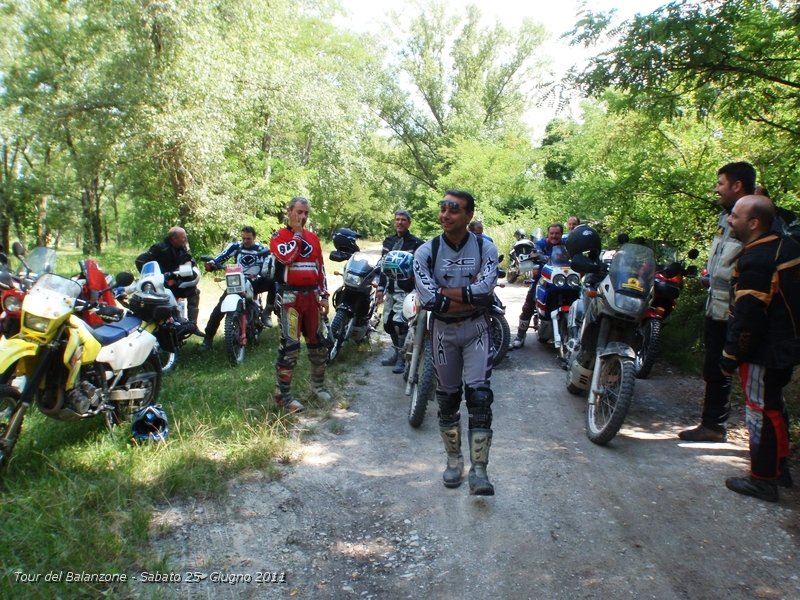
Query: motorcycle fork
{"type": "Point", "coordinates": [602, 336]}
{"type": "Point", "coordinates": [419, 339]}
{"type": "Point", "coordinates": [26, 399]}
{"type": "Point", "coordinates": [243, 326]}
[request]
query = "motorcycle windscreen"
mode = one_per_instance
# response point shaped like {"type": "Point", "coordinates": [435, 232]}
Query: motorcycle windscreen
{"type": "Point", "coordinates": [559, 256]}
{"type": "Point", "coordinates": [633, 270]}
{"type": "Point", "coordinates": [41, 260]}
{"type": "Point", "coordinates": [151, 269]}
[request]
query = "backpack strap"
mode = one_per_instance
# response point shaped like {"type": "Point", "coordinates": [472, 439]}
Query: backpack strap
{"type": "Point", "coordinates": [437, 241]}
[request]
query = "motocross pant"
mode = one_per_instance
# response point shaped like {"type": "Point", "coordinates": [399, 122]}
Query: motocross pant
{"type": "Point", "coordinates": [529, 306]}
{"type": "Point", "coordinates": [462, 354]}
{"type": "Point", "coordinates": [260, 285]}
{"type": "Point", "coordinates": [394, 323]}
{"type": "Point", "coordinates": [766, 417]}
{"type": "Point", "coordinates": [716, 403]}
{"type": "Point", "coordinates": [192, 296]}
{"type": "Point", "coordinates": [299, 316]}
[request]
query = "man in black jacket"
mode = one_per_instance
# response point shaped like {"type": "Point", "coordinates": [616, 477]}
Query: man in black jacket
{"type": "Point", "coordinates": [170, 254]}
{"type": "Point", "coordinates": [393, 293]}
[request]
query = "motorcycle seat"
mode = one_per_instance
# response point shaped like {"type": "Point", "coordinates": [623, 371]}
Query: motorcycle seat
{"type": "Point", "coordinates": [113, 332]}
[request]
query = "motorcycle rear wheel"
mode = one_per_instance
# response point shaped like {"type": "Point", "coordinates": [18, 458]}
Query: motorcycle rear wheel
{"type": "Point", "coordinates": [648, 338]}
{"type": "Point", "coordinates": [147, 376]}
{"type": "Point", "coordinates": [616, 380]}
{"type": "Point", "coordinates": [423, 389]}
{"type": "Point", "coordinates": [234, 349]}
{"type": "Point", "coordinates": [339, 327]}
{"type": "Point", "coordinates": [9, 403]}
{"type": "Point", "coordinates": [501, 337]}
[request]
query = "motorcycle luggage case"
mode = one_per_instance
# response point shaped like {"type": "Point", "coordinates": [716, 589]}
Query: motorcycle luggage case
{"type": "Point", "coordinates": [150, 307]}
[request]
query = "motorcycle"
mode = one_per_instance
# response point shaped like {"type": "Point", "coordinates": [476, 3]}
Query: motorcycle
{"type": "Point", "coordinates": [558, 287]}
{"type": "Point", "coordinates": [501, 331]}
{"type": "Point", "coordinates": [355, 300]}
{"type": "Point", "coordinates": [14, 286]}
{"type": "Point", "coordinates": [668, 286]}
{"type": "Point", "coordinates": [170, 333]}
{"type": "Point", "coordinates": [601, 357]}
{"type": "Point", "coordinates": [520, 257]}
{"type": "Point", "coordinates": [71, 371]}
{"type": "Point", "coordinates": [242, 309]}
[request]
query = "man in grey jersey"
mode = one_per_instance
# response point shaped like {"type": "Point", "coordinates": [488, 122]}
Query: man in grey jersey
{"type": "Point", "coordinates": [455, 274]}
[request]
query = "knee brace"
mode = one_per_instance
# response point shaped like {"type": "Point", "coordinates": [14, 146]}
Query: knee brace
{"type": "Point", "coordinates": [317, 355]}
{"type": "Point", "coordinates": [479, 405]}
{"type": "Point", "coordinates": [287, 354]}
{"type": "Point", "coordinates": [449, 403]}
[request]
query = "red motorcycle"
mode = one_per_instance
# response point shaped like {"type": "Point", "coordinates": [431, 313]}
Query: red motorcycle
{"type": "Point", "coordinates": [14, 285]}
{"type": "Point", "coordinates": [668, 286]}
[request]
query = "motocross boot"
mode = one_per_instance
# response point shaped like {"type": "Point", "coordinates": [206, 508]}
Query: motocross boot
{"type": "Point", "coordinates": [318, 357]}
{"type": "Point", "coordinates": [480, 440]}
{"type": "Point", "coordinates": [519, 341]}
{"type": "Point", "coordinates": [454, 473]}
{"type": "Point", "coordinates": [400, 363]}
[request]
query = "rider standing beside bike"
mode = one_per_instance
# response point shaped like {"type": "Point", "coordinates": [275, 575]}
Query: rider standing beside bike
{"type": "Point", "coordinates": [392, 292]}
{"type": "Point", "coordinates": [545, 247]}
{"type": "Point", "coordinates": [303, 297]}
{"type": "Point", "coordinates": [170, 254]}
{"type": "Point", "coordinates": [248, 252]}
{"type": "Point", "coordinates": [455, 278]}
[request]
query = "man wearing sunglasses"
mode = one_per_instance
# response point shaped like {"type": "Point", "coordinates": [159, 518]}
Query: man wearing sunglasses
{"type": "Point", "coordinates": [455, 276]}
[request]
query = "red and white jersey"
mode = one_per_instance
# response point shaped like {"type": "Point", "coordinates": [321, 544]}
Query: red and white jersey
{"type": "Point", "coordinates": [301, 257]}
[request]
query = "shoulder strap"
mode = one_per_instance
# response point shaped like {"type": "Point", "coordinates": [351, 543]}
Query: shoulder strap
{"type": "Point", "coordinates": [435, 242]}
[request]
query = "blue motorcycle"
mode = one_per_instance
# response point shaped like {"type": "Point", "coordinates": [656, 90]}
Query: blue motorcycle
{"type": "Point", "coordinates": [558, 287]}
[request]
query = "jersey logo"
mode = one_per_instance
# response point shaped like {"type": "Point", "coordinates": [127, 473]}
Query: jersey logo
{"type": "Point", "coordinates": [287, 247]}
{"type": "Point", "coordinates": [306, 249]}
{"type": "Point", "coordinates": [459, 262]}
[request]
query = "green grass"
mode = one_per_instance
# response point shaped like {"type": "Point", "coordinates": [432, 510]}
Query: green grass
{"type": "Point", "coordinates": [77, 497]}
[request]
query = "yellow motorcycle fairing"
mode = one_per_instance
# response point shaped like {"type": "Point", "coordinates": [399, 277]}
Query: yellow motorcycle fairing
{"type": "Point", "coordinates": [81, 349]}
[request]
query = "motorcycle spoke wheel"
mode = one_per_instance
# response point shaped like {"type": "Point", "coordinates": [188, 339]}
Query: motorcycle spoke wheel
{"type": "Point", "coordinates": [605, 415]}
{"type": "Point", "coordinates": [234, 349]}
{"type": "Point", "coordinates": [423, 390]}
{"type": "Point", "coordinates": [501, 337]}
{"type": "Point", "coordinates": [169, 360]}
{"type": "Point", "coordinates": [9, 402]}
{"type": "Point", "coordinates": [339, 327]}
{"type": "Point", "coordinates": [146, 376]}
{"type": "Point", "coordinates": [647, 341]}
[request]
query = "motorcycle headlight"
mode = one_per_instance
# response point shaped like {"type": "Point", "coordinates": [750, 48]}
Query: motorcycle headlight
{"type": "Point", "coordinates": [573, 280]}
{"type": "Point", "coordinates": [148, 288]}
{"type": "Point", "coordinates": [352, 279]}
{"type": "Point", "coordinates": [12, 304]}
{"type": "Point", "coordinates": [628, 304]}
{"type": "Point", "coordinates": [38, 324]}
{"type": "Point", "coordinates": [559, 280]}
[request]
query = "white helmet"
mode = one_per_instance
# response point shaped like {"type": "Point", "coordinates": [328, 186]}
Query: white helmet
{"type": "Point", "coordinates": [410, 306]}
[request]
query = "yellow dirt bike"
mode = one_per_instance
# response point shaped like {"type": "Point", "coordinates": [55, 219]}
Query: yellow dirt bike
{"type": "Point", "coordinates": [69, 370]}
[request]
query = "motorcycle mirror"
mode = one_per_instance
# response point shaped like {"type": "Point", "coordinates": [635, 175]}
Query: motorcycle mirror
{"type": "Point", "coordinates": [124, 279]}
{"type": "Point", "coordinates": [500, 258]}
{"type": "Point", "coordinates": [582, 264]}
{"type": "Point", "coordinates": [18, 249]}
{"type": "Point", "coordinates": [623, 238]}
{"type": "Point", "coordinates": [693, 253]}
{"type": "Point", "coordinates": [6, 281]}
{"type": "Point", "coordinates": [672, 269]}
{"type": "Point", "coordinates": [3, 259]}
{"type": "Point", "coordinates": [691, 271]}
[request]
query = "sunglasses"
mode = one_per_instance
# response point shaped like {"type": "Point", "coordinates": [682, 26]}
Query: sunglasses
{"type": "Point", "coordinates": [452, 205]}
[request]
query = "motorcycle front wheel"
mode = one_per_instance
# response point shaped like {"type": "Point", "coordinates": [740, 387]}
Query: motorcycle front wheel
{"type": "Point", "coordinates": [339, 327]}
{"type": "Point", "coordinates": [423, 389]}
{"type": "Point", "coordinates": [501, 337]}
{"type": "Point", "coordinates": [169, 360]}
{"type": "Point", "coordinates": [608, 407]}
{"type": "Point", "coordinates": [234, 349]}
{"type": "Point", "coordinates": [146, 376]}
{"type": "Point", "coordinates": [563, 333]}
{"type": "Point", "coordinates": [9, 403]}
{"type": "Point", "coordinates": [647, 341]}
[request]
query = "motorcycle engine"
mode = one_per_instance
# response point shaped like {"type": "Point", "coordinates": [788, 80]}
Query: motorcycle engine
{"type": "Point", "coordinates": [83, 399]}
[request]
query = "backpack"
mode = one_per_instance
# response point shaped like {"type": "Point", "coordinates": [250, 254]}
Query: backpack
{"type": "Point", "coordinates": [437, 241]}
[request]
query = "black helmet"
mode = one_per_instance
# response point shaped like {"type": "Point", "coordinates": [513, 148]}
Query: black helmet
{"type": "Point", "coordinates": [344, 240]}
{"type": "Point", "coordinates": [583, 239]}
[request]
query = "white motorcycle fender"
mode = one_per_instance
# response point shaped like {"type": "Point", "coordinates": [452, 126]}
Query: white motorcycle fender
{"type": "Point", "coordinates": [230, 303]}
{"type": "Point", "coordinates": [130, 351]}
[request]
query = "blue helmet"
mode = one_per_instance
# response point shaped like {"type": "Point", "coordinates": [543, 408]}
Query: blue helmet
{"type": "Point", "coordinates": [150, 423]}
{"type": "Point", "coordinates": [398, 264]}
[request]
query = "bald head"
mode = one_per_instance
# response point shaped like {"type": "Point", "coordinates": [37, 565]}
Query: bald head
{"type": "Point", "coordinates": [177, 237]}
{"type": "Point", "coordinates": [751, 217]}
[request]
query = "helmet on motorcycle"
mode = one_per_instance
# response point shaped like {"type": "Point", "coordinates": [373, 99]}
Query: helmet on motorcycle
{"type": "Point", "coordinates": [398, 264]}
{"type": "Point", "coordinates": [519, 234]}
{"type": "Point", "coordinates": [344, 240]}
{"type": "Point", "coordinates": [150, 423]}
{"type": "Point", "coordinates": [410, 306]}
{"type": "Point", "coordinates": [583, 239]}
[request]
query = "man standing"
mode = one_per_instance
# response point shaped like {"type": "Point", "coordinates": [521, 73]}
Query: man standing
{"type": "Point", "coordinates": [545, 247]}
{"type": "Point", "coordinates": [455, 275]}
{"type": "Point", "coordinates": [392, 293]}
{"type": "Point", "coordinates": [303, 297]}
{"type": "Point", "coordinates": [476, 227]}
{"type": "Point", "coordinates": [734, 181]}
{"type": "Point", "coordinates": [763, 341]}
{"type": "Point", "coordinates": [170, 254]}
{"type": "Point", "coordinates": [250, 255]}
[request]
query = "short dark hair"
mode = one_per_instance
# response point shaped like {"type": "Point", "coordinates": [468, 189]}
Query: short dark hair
{"type": "Point", "coordinates": [403, 213]}
{"type": "Point", "coordinates": [740, 171]}
{"type": "Point", "coordinates": [248, 229]}
{"type": "Point", "coordinates": [559, 225]}
{"type": "Point", "coordinates": [462, 195]}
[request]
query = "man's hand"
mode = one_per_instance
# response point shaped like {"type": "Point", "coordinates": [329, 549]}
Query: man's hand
{"type": "Point", "coordinates": [378, 297]}
{"type": "Point", "coordinates": [323, 306]}
{"type": "Point", "coordinates": [210, 266]}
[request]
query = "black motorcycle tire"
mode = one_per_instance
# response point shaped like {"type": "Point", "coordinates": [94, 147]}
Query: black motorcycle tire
{"type": "Point", "coordinates": [423, 389]}
{"type": "Point", "coordinates": [9, 404]}
{"type": "Point", "coordinates": [604, 418]}
{"type": "Point", "coordinates": [649, 339]}
{"type": "Point", "coordinates": [501, 337]}
{"type": "Point", "coordinates": [147, 375]}
{"type": "Point", "coordinates": [338, 332]}
{"type": "Point", "coordinates": [234, 349]}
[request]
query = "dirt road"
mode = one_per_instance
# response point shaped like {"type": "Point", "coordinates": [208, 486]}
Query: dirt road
{"type": "Point", "coordinates": [364, 514]}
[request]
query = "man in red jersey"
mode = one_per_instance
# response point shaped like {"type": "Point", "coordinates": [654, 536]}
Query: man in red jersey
{"type": "Point", "coordinates": [303, 298]}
